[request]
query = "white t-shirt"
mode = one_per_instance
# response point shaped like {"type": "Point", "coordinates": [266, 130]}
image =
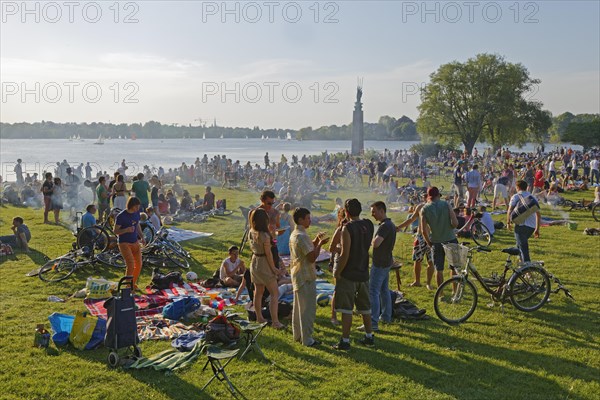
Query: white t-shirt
{"type": "Point", "coordinates": [516, 200]}
{"type": "Point", "coordinates": [227, 267]}
{"type": "Point", "coordinates": [486, 219]}
{"type": "Point", "coordinates": [594, 164]}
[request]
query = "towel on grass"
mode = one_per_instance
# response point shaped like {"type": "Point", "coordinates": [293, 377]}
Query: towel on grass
{"type": "Point", "coordinates": [169, 360]}
{"type": "Point", "coordinates": [179, 235]}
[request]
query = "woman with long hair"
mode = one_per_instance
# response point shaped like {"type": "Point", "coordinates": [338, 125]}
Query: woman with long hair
{"type": "Point", "coordinates": [262, 267]}
{"type": "Point", "coordinates": [119, 190]}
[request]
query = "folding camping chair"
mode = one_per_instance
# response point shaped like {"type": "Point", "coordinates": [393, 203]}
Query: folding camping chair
{"type": "Point", "coordinates": [251, 331]}
{"type": "Point", "coordinates": [215, 357]}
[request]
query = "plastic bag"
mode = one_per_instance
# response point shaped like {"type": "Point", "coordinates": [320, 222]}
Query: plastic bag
{"type": "Point", "coordinates": [83, 329]}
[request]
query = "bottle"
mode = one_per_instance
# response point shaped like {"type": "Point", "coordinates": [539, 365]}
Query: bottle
{"type": "Point", "coordinates": [42, 337]}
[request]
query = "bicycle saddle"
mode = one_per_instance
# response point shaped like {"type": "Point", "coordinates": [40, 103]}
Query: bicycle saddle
{"type": "Point", "coordinates": [513, 251]}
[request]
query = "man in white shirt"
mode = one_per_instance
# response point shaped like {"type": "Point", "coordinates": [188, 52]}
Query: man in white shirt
{"type": "Point", "coordinates": [232, 269]}
{"type": "Point", "coordinates": [486, 219]}
{"type": "Point", "coordinates": [524, 230]}
{"type": "Point", "coordinates": [551, 170]}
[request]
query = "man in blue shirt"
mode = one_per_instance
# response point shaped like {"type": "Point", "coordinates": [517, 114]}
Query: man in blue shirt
{"type": "Point", "coordinates": [88, 219]}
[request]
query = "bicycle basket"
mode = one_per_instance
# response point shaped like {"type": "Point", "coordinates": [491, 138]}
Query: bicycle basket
{"type": "Point", "coordinates": [456, 254]}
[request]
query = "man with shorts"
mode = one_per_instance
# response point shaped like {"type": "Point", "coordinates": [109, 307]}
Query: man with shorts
{"type": "Point", "coordinates": [501, 190]}
{"type": "Point", "coordinates": [352, 274]}
{"type": "Point", "coordinates": [232, 269]}
{"type": "Point", "coordinates": [438, 221]}
{"type": "Point", "coordinates": [420, 248]}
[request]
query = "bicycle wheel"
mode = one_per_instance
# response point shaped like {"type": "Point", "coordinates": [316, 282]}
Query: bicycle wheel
{"type": "Point", "coordinates": [112, 259]}
{"type": "Point", "coordinates": [596, 212]}
{"type": "Point", "coordinates": [529, 288]}
{"type": "Point", "coordinates": [177, 248]}
{"type": "Point", "coordinates": [57, 269]}
{"type": "Point", "coordinates": [570, 204]}
{"type": "Point", "coordinates": [455, 300]}
{"type": "Point", "coordinates": [94, 238]}
{"type": "Point", "coordinates": [176, 259]}
{"type": "Point", "coordinates": [480, 234]}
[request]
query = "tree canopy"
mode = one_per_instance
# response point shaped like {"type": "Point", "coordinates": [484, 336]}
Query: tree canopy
{"type": "Point", "coordinates": [586, 134]}
{"type": "Point", "coordinates": [483, 99]}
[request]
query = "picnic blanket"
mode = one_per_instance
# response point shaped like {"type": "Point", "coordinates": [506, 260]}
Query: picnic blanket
{"type": "Point", "coordinates": [547, 221]}
{"type": "Point", "coordinates": [323, 256]}
{"type": "Point", "coordinates": [192, 289]}
{"type": "Point", "coordinates": [159, 328]}
{"type": "Point", "coordinates": [148, 304]}
{"type": "Point", "coordinates": [179, 235]}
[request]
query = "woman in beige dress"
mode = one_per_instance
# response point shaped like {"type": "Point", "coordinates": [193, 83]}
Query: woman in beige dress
{"type": "Point", "coordinates": [262, 266]}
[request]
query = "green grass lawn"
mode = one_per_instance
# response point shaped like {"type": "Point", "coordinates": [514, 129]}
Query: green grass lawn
{"type": "Point", "coordinates": [553, 353]}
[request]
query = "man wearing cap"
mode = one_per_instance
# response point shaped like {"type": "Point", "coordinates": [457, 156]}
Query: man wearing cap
{"type": "Point", "coordinates": [438, 221]}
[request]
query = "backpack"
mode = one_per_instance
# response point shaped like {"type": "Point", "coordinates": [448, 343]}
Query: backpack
{"type": "Point", "coordinates": [161, 281]}
{"type": "Point", "coordinates": [220, 330]}
{"type": "Point", "coordinates": [222, 204]}
{"type": "Point", "coordinates": [404, 309]}
{"type": "Point", "coordinates": [181, 307]}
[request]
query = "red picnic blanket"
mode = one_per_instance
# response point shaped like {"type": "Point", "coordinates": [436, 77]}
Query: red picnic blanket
{"type": "Point", "coordinates": [148, 304]}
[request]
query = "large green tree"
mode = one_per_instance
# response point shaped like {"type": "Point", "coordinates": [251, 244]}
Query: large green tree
{"type": "Point", "coordinates": [483, 99]}
{"type": "Point", "coordinates": [586, 134]}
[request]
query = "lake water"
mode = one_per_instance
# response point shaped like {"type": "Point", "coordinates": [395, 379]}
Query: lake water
{"type": "Point", "coordinates": [40, 155]}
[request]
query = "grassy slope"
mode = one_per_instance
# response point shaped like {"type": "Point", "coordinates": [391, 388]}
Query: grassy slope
{"type": "Point", "coordinates": [549, 354]}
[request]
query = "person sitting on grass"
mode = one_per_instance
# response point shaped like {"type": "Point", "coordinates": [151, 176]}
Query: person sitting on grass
{"type": "Point", "coordinates": [21, 235]}
{"type": "Point", "coordinates": [232, 270]}
{"type": "Point", "coordinates": [88, 219]}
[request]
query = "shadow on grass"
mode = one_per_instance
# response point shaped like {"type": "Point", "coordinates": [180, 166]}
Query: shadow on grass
{"type": "Point", "coordinates": [468, 357]}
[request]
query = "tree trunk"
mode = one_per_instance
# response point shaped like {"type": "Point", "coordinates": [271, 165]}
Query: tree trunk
{"type": "Point", "coordinates": [469, 143]}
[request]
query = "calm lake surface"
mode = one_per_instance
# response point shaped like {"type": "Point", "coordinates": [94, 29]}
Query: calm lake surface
{"type": "Point", "coordinates": [40, 155]}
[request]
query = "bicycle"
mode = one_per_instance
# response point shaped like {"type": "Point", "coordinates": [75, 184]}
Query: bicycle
{"type": "Point", "coordinates": [64, 266]}
{"type": "Point", "coordinates": [583, 205]}
{"type": "Point", "coordinates": [527, 288]}
{"type": "Point", "coordinates": [475, 229]}
{"type": "Point", "coordinates": [100, 236]}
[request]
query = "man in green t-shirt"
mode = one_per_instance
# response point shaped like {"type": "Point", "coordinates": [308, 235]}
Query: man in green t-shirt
{"type": "Point", "coordinates": [102, 195]}
{"type": "Point", "coordinates": [141, 189]}
{"type": "Point", "coordinates": [438, 221]}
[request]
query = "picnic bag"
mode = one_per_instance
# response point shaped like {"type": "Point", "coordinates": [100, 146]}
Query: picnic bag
{"type": "Point", "coordinates": [181, 307]}
{"type": "Point", "coordinates": [524, 209]}
{"type": "Point", "coordinates": [87, 332]}
{"type": "Point", "coordinates": [161, 281]}
{"type": "Point", "coordinates": [99, 288]}
{"type": "Point", "coordinates": [220, 330]}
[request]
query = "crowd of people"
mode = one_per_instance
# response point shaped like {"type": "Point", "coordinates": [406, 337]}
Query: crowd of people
{"type": "Point", "coordinates": [278, 225]}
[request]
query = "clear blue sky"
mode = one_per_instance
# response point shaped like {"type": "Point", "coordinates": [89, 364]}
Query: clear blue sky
{"type": "Point", "coordinates": [180, 55]}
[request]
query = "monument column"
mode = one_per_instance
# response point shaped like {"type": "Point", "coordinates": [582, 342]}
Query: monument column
{"type": "Point", "coordinates": [358, 143]}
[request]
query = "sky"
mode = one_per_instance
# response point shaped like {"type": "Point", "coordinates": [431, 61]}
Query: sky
{"type": "Point", "coordinates": [277, 64]}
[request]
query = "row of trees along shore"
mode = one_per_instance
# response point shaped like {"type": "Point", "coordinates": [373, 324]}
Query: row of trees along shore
{"type": "Point", "coordinates": [485, 99]}
{"type": "Point", "coordinates": [388, 128]}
